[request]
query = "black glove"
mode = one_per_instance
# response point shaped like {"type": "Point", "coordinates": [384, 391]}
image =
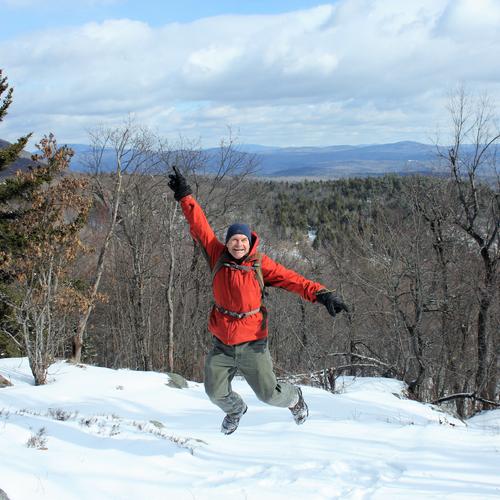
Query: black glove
{"type": "Point", "coordinates": [332, 302]}
{"type": "Point", "coordinates": [179, 185]}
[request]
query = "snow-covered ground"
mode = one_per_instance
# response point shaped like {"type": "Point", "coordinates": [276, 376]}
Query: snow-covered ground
{"type": "Point", "coordinates": [95, 433]}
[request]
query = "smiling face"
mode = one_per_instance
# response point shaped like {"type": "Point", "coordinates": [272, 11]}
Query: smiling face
{"type": "Point", "coordinates": [238, 246]}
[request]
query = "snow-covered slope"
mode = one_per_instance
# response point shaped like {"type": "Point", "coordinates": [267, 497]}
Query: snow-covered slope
{"type": "Point", "coordinates": [95, 433]}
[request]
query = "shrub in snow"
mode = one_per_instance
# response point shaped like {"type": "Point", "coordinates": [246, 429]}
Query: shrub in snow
{"type": "Point", "coordinates": [38, 440]}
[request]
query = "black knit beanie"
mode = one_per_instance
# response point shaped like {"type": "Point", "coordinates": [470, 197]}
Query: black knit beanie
{"type": "Point", "coordinates": [238, 228]}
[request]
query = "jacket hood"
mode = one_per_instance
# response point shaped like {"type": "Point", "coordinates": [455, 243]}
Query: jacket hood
{"type": "Point", "coordinates": [254, 244]}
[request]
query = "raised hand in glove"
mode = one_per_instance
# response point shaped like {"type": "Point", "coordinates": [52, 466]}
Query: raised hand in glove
{"type": "Point", "coordinates": [332, 302]}
{"type": "Point", "coordinates": [178, 184]}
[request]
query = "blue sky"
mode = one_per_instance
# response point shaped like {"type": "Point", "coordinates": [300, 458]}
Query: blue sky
{"type": "Point", "coordinates": [24, 16]}
{"type": "Point", "coordinates": [286, 73]}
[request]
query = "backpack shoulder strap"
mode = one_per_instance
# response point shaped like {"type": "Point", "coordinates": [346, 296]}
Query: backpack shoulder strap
{"type": "Point", "coordinates": [204, 252]}
{"type": "Point", "coordinates": [219, 264]}
{"type": "Point", "coordinates": [256, 266]}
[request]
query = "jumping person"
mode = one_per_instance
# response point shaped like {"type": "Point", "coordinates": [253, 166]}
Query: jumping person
{"type": "Point", "coordinates": [238, 320]}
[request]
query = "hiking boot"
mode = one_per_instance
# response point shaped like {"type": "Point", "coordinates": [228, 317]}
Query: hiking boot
{"type": "Point", "coordinates": [231, 421]}
{"type": "Point", "coordinates": [300, 411]}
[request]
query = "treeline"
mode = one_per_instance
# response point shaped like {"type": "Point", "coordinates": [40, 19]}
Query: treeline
{"type": "Point", "coordinates": [101, 268]}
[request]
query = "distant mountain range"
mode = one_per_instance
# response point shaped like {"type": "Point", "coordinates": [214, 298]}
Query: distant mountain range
{"type": "Point", "coordinates": [319, 162]}
{"type": "Point", "coordinates": [345, 161]}
{"type": "Point", "coordinates": [330, 162]}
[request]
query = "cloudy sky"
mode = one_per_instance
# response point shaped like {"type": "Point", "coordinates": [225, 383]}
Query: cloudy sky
{"type": "Point", "coordinates": [275, 72]}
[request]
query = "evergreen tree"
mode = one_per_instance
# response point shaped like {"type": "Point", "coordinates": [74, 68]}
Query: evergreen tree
{"type": "Point", "coordinates": [11, 153]}
{"type": "Point", "coordinates": [44, 297]}
{"type": "Point", "coordinates": [10, 189]}
{"type": "Point", "coordinates": [15, 193]}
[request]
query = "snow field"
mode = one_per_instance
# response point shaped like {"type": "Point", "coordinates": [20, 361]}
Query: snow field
{"type": "Point", "coordinates": [118, 434]}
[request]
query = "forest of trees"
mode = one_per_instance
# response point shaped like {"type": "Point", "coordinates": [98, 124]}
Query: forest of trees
{"type": "Point", "coordinates": [100, 267]}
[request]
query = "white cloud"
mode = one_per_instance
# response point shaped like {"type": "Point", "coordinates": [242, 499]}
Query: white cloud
{"type": "Point", "coordinates": [355, 71]}
{"type": "Point", "coordinates": [210, 61]}
{"type": "Point", "coordinates": [465, 18]}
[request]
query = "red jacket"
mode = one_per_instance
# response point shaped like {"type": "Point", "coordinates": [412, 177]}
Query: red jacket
{"type": "Point", "coordinates": [239, 291]}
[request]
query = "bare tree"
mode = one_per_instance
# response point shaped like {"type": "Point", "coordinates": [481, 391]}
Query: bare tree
{"type": "Point", "coordinates": [477, 213]}
{"type": "Point", "coordinates": [171, 222]}
{"type": "Point", "coordinates": [218, 177]}
{"type": "Point", "coordinates": [132, 149]}
{"type": "Point", "coordinates": [450, 302]}
{"type": "Point", "coordinates": [141, 239]}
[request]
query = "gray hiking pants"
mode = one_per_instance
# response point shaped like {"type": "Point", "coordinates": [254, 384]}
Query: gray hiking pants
{"type": "Point", "coordinates": [253, 360]}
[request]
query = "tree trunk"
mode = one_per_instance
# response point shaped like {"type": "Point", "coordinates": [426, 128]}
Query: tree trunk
{"type": "Point", "coordinates": [168, 227]}
{"type": "Point", "coordinates": [170, 289]}
{"type": "Point", "coordinates": [76, 353]}
{"type": "Point", "coordinates": [485, 354]}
